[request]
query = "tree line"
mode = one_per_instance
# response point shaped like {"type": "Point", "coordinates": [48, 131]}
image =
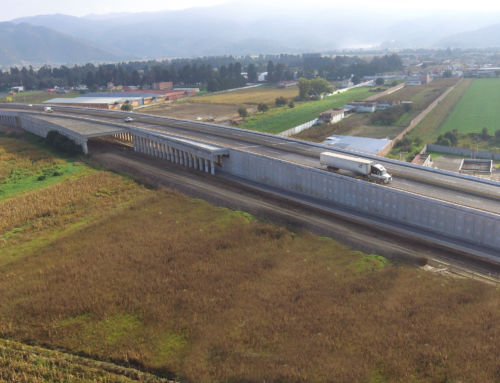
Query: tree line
{"type": "Point", "coordinates": [214, 73]}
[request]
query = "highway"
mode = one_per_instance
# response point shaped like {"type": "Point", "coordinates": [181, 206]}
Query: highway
{"type": "Point", "coordinates": [435, 185]}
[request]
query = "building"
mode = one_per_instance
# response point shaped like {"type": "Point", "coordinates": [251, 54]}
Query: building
{"type": "Point", "coordinates": [419, 80]}
{"type": "Point", "coordinates": [17, 89]}
{"type": "Point", "coordinates": [286, 84]}
{"type": "Point", "coordinates": [332, 116]}
{"type": "Point", "coordinates": [383, 104]}
{"type": "Point", "coordinates": [163, 85]}
{"type": "Point", "coordinates": [361, 106]}
{"type": "Point", "coordinates": [262, 77]}
{"type": "Point", "coordinates": [344, 84]}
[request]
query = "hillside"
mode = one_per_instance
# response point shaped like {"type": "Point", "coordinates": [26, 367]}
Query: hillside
{"type": "Point", "coordinates": [240, 28]}
{"type": "Point", "coordinates": [488, 37]}
{"type": "Point", "coordinates": [25, 43]}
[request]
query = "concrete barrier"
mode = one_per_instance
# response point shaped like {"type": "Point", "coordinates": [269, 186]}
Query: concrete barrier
{"type": "Point", "coordinates": [457, 222]}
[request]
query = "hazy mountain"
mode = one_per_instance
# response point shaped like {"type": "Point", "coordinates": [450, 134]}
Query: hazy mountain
{"type": "Point", "coordinates": [488, 37]}
{"type": "Point", "coordinates": [25, 43]}
{"type": "Point", "coordinates": [248, 28]}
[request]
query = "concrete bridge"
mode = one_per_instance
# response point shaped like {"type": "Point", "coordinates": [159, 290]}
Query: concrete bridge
{"type": "Point", "coordinates": [180, 150]}
{"type": "Point", "coordinates": [454, 226]}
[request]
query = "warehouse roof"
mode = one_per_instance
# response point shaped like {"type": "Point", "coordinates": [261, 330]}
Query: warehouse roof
{"type": "Point", "coordinates": [92, 100]}
{"type": "Point", "coordinates": [360, 144]}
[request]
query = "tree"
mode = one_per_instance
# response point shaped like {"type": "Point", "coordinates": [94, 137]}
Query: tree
{"type": "Point", "coordinates": [497, 135]}
{"type": "Point", "coordinates": [127, 106]}
{"type": "Point", "coordinates": [242, 111]}
{"type": "Point", "coordinates": [304, 87]}
{"type": "Point", "coordinates": [252, 73]}
{"type": "Point", "coordinates": [320, 85]}
{"type": "Point", "coordinates": [379, 81]}
{"type": "Point", "coordinates": [270, 71]}
{"type": "Point", "coordinates": [280, 101]}
{"type": "Point", "coordinates": [484, 134]}
{"type": "Point", "coordinates": [262, 107]}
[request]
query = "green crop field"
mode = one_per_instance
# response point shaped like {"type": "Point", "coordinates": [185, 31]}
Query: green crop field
{"type": "Point", "coordinates": [98, 265]}
{"type": "Point", "coordinates": [277, 120]}
{"type": "Point", "coordinates": [479, 108]}
{"type": "Point", "coordinates": [428, 129]}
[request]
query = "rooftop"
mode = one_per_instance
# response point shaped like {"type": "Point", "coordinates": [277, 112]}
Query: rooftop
{"type": "Point", "coordinates": [91, 100]}
{"type": "Point", "coordinates": [359, 144]}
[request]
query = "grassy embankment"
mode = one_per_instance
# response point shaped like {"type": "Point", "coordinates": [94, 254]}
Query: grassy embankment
{"type": "Point", "coordinates": [277, 120]}
{"type": "Point", "coordinates": [177, 285]}
{"type": "Point", "coordinates": [36, 96]}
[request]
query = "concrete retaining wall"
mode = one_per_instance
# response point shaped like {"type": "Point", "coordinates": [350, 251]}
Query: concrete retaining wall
{"type": "Point", "coordinates": [296, 130]}
{"type": "Point", "coordinates": [443, 218]}
{"type": "Point", "coordinates": [463, 152]}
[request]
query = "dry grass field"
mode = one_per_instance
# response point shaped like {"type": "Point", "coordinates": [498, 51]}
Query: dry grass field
{"type": "Point", "coordinates": [180, 287]}
{"type": "Point", "coordinates": [24, 363]}
{"type": "Point", "coordinates": [252, 96]}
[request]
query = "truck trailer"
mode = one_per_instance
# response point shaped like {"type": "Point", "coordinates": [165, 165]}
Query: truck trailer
{"type": "Point", "coordinates": [356, 165]}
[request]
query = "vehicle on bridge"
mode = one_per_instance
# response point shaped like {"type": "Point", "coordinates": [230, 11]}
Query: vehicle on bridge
{"type": "Point", "coordinates": [47, 109]}
{"type": "Point", "coordinates": [360, 166]}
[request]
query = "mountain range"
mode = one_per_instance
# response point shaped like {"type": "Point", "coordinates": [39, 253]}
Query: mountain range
{"type": "Point", "coordinates": [234, 29]}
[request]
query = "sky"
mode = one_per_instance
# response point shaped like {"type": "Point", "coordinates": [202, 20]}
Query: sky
{"type": "Point", "coordinates": [20, 8]}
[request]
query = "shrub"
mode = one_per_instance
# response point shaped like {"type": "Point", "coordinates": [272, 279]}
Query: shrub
{"type": "Point", "coordinates": [280, 101]}
{"type": "Point", "coordinates": [242, 111]}
{"type": "Point", "coordinates": [291, 104]}
{"type": "Point", "coordinates": [127, 107]}
{"type": "Point", "coordinates": [262, 107]}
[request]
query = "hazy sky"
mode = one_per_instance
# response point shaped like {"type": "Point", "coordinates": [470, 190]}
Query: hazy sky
{"type": "Point", "coordinates": [19, 8]}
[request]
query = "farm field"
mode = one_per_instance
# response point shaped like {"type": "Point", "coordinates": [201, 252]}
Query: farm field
{"type": "Point", "coordinates": [421, 96]}
{"type": "Point", "coordinates": [477, 109]}
{"type": "Point", "coordinates": [24, 363]}
{"type": "Point", "coordinates": [261, 94]}
{"type": "Point", "coordinates": [220, 113]}
{"type": "Point", "coordinates": [101, 266]}
{"type": "Point", "coordinates": [430, 127]}
{"type": "Point", "coordinates": [360, 125]}
{"type": "Point", "coordinates": [37, 96]}
{"type": "Point", "coordinates": [277, 120]}
{"type": "Point", "coordinates": [355, 125]}
{"type": "Point", "coordinates": [221, 107]}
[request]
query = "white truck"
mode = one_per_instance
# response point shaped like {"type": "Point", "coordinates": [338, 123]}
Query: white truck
{"type": "Point", "coordinates": [356, 165]}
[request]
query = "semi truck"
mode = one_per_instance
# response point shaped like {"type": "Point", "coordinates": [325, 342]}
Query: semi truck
{"type": "Point", "coordinates": [359, 166]}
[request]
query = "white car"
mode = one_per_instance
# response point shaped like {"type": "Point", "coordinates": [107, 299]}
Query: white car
{"type": "Point", "coordinates": [128, 119]}
{"type": "Point", "coordinates": [48, 109]}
